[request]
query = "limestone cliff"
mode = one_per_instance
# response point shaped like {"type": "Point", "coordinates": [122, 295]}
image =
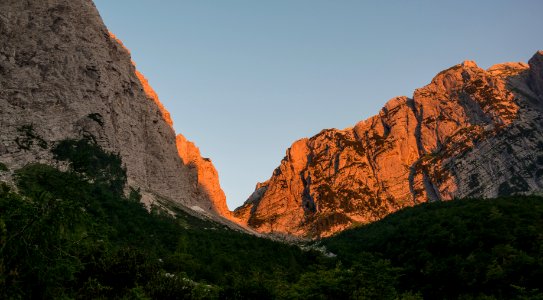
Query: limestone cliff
{"type": "Point", "coordinates": [63, 75]}
{"type": "Point", "coordinates": [207, 176]}
{"type": "Point", "coordinates": [469, 133]}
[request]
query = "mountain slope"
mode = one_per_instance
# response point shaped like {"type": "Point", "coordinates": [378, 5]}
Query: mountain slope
{"type": "Point", "coordinates": [453, 249]}
{"type": "Point", "coordinates": [62, 74]}
{"type": "Point", "coordinates": [74, 234]}
{"type": "Point", "coordinates": [469, 133]}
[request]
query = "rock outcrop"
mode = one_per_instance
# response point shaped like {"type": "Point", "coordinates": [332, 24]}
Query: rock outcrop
{"type": "Point", "coordinates": [63, 75]}
{"type": "Point", "coordinates": [469, 133]}
{"type": "Point", "coordinates": [207, 176]}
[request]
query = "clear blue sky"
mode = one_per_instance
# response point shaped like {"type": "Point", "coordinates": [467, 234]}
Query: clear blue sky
{"type": "Point", "coordinates": [244, 79]}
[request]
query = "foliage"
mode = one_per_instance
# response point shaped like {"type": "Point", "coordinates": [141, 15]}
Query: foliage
{"type": "Point", "coordinates": [74, 234]}
{"type": "Point", "coordinates": [38, 243]}
{"type": "Point", "coordinates": [458, 249]}
{"type": "Point", "coordinates": [369, 278]}
{"type": "Point", "coordinates": [98, 118]}
{"type": "Point", "coordinates": [27, 137]}
{"type": "Point", "coordinates": [86, 157]}
{"type": "Point", "coordinates": [3, 167]}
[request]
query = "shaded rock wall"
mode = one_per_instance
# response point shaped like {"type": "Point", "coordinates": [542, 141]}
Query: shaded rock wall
{"type": "Point", "coordinates": [66, 76]}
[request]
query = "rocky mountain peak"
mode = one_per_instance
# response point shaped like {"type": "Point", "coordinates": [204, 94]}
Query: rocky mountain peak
{"type": "Point", "coordinates": [469, 64]}
{"type": "Point", "coordinates": [469, 133]}
{"type": "Point", "coordinates": [64, 75]}
{"type": "Point", "coordinates": [508, 69]}
{"type": "Point", "coordinates": [147, 88]}
{"type": "Point", "coordinates": [297, 154]}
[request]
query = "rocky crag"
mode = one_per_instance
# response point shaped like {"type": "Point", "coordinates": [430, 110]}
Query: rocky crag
{"type": "Point", "coordinates": [469, 133]}
{"type": "Point", "coordinates": [63, 75]}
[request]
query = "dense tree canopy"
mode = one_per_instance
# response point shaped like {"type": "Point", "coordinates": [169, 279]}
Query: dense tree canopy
{"type": "Point", "coordinates": [458, 248]}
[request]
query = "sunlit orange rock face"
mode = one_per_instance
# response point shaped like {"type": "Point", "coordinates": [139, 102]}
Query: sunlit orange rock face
{"type": "Point", "coordinates": [150, 92]}
{"type": "Point", "coordinates": [205, 177]}
{"type": "Point", "coordinates": [147, 88]}
{"type": "Point", "coordinates": [203, 172]}
{"type": "Point", "coordinates": [206, 174]}
{"type": "Point", "coordinates": [469, 133]}
{"type": "Point", "coordinates": [62, 71]}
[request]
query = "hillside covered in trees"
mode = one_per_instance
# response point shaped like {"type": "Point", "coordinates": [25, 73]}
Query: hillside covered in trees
{"type": "Point", "coordinates": [75, 234]}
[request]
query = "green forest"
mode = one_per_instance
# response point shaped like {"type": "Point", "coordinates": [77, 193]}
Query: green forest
{"type": "Point", "coordinates": [75, 234]}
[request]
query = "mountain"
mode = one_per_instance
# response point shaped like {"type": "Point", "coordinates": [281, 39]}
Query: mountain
{"type": "Point", "coordinates": [203, 169]}
{"type": "Point", "coordinates": [64, 75]}
{"type": "Point", "coordinates": [469, 133]}
{"type": "Point", "coordinates": [70, 234]}
{"type": "Point", "coordinates": [100, 199]}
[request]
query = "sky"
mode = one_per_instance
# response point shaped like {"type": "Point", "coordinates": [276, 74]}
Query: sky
{"type": "Point", "coordinates": [244, 79]}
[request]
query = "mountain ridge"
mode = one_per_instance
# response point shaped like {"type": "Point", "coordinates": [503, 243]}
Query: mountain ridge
{"type": "Point", "coordinates": [64, 75]}
{"type": "Point", "coordinates": [418, 149]}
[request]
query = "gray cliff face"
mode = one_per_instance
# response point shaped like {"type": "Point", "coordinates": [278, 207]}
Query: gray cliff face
{"type": "Point", "coordinates": [469, 133]}
{"type": "Point", "coordinates": [66, 76]}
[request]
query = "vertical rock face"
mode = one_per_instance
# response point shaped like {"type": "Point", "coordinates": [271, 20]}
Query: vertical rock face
{"type": "Point", "coordinates": [63, 75]}
{"type": "Point", "coordinates": [469, 133]}
{"type": "Point", "coordinates": [207, 176]}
